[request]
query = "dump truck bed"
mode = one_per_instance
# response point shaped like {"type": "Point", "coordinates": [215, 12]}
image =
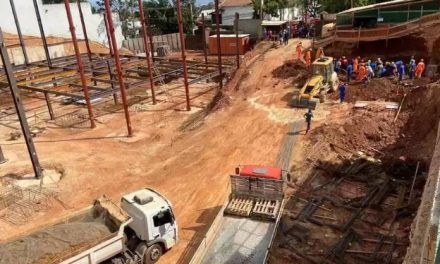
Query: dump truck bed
{"type": "Point", "coordinates": [68, 237]}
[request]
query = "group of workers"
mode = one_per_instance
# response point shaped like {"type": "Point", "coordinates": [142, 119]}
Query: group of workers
{"type": "Point", "coordinates": [366, 70]}
{"type": "Point", "coordinates": [283, 35]}
{"type": "Point", "coordinates": [308, 54]}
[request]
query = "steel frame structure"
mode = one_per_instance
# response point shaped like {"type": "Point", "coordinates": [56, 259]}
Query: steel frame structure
{"type": "Point", "coordinates": [88, 76]}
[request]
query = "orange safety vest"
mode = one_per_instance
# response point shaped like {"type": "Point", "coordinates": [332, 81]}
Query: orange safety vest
{"type": "Point", "coordinates": [420, 68]}
{"type": "Point", "coordinates": [362, 72]}
{"type": "Point", "coordinates": [298, 51]}
{"type": "Point", "coordinates": [355, 65]}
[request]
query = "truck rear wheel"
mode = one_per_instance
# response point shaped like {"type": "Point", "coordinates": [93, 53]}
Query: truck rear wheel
{"type": "Point", "coordinates": [151, 254]}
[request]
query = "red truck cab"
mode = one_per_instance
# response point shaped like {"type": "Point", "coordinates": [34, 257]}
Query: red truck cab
{"type": "Point", "coordinates": [259, 171]}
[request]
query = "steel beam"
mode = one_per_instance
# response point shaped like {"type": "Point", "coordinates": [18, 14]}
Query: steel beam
{"type": "Point", "coordinates": [219, 49]}
{"type": "Point", "coordinates": [86, 37]}
{"type": "Point", "coordinates": [108, 11]}
{"type": "Point", "coordinates": [20, 36]}
{"type": "Point", "coordinates": [49, 106]}
{"type": "Point", "coordinates": [147, 50]}
{"type": "Point", "coordinates": [19, 108]}
{"type": "Point", "coordinates": [43, 35]}
{"type": "Point", "coordinates": [2, 157]}
{"type": "Point", "coordinates": [80, 64]}
{"type": "Point", "coordinates": [182, 44]}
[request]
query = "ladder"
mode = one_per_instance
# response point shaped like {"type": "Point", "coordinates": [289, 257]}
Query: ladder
{"type": "Point", "coordinates": [163, 87]}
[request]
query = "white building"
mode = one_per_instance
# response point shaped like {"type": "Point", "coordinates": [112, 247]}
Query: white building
{"type": "Point", "coordinates": [246, 11]}
{"type": "Point", "coordinates": [55, 22]}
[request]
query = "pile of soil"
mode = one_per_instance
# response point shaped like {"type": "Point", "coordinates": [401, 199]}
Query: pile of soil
{"type": "Point", "coordinates": [378, 89]}
{"type": "Point", "coordinates": [292, 69]}
{"type": "Point", "coordinates": [47, 245]}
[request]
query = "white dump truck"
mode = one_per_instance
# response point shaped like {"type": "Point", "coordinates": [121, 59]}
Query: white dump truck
{"type": "Point", "coordinates": [245, 227]}
{"type": "Point", "coordinates": [139, 231]}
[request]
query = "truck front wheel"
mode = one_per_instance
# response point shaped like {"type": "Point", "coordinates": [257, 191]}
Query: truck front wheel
{"type": "Point", "coordinates": [151, 254]}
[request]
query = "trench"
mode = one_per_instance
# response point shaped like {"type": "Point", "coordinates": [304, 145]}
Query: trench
{"type": "Point", "coordinates": [368, 184]}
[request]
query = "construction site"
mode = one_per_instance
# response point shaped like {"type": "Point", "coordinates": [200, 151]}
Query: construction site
{"type": "Point", "coordinates": [112, 155]}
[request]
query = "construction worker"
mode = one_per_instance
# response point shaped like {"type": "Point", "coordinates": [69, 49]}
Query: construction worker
{"type": "Point", "coordinates": [342, 90]}
{"type": "Point", "coordinates": [401, 72]}
{"type": "Point", "coordinates": [370, 73]}
{"type": "Point", "coordinates": [420, 68]}
{"type": "Point", "coordinates": [309, 58]}
{"type": "Point", "coordinates": [356, 64]}
{"type": "Point", "coordinates": [412, 68]}
{"type": "Point", "coordinates": [319, 53]}
{"type": "Point", "coordinates": [362, 73]}
{"type": "Point", "coordinates": [299, 51]}
{"type": "Point", "coordinates": [379, 67]}
{"type": "Point", "coordinates": [308, 116]}
{"type": "Point", "coordinates": [349, 72]}
{"type": "Point", "coordinates": [338, 66]}
{"type": "Point", "coordinates": [344, 63]}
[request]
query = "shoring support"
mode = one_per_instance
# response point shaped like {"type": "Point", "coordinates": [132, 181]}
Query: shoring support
{"type": "Point", "coordinates": [7, 67]}
{"type": "Point", "coordinates": [2, 157]}
{"type": "Point", "coordinates": [111, 28]}
{"type": "Point", "coordinates": [219, 49]}
{"type": "Point", "coordinates": [80, 64]}
{"type": "Point", "coordinates": [43, 35]}
{"type": "Point", "coordinates": [182, 45]}
{"type": "Point", "coordinates": [49, 106]}
{"type": "Point", "coordinates": [150, 34]}
{"type": "Point", "coordinates": [205, 52]}
{"type": "Point", "coordinates": [20, 35]}
{"type": "Point", "coordinates": [147, 50]}
{"type": "Point", "coordinates": [107, 31]}
{"type": "Point", "coordinates": [237, 16]}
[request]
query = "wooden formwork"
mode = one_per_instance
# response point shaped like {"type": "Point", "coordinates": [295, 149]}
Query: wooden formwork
{"type": "Point", "coordinates": [239, 206]}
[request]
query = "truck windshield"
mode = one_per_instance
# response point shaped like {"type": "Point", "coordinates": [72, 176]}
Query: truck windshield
{"type": "Point", "coordinates": [162, 218]}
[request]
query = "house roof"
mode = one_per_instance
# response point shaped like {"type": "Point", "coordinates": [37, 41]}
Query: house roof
{"type": "Point", "coordinates": [384, 4]}
{"type": "Point", "coordinates": [234, 3]}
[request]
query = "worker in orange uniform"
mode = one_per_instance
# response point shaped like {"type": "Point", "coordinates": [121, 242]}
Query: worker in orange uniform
{"type": "Point", "coordinates": [309, 58]}
{"type": "Point", "coordinates": [299, 51]}
{"type": "Point", "coordinates": [356, 64]}
{"type": "Point", "coordinates": [420, 68]}
{"type": "Point", "coordinates": [319, 53]}
{"type": "Point", "coordinates": [362, 72]}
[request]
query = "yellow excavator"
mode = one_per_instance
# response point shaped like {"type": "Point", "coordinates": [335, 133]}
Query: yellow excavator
{"type": "Point", "coordinates": [316, 88]}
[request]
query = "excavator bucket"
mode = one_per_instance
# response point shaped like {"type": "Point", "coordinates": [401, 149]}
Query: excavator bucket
{"type": "Point", "coordinates": [297, 102]}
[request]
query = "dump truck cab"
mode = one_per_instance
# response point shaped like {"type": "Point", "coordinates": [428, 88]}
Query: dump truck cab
{"type": "Point", "coordinates": [153, 224]}
{"type": "Point", "coordinates": [315, 89]}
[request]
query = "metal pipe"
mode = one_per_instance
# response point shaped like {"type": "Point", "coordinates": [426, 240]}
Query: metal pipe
{"type": "Point", "coordinates": [43, 35]}
{"type": "Point", "coordinates": [219, 49]}
{"type": "Point", "coordinates": [80, 64]}
{"type": "Point", "coordinates": [147, 50]}
{"type": "Point", "coordinates": [2, 157]}
{"type": "Point", "coordinates": [205, 52]}
{"type": "Point", "coordinates": [49, 106]}
{"type": "Point", "coordinates": [108, 11]}
{"type": "Point", "coordinates": [7, 67]}
{"type": "Point", "coordinates": [237, 16]}
{"type": "Point", "coordinates": [107, 31]}
{"type": "Point", "coordinates": [182, 44]}
{"type": "Point", "coordinates": [150, 35]}
{"type": "Point", "coordinates": [20, 36]}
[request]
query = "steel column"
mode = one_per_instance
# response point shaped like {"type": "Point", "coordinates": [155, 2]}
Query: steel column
{"type": "Point", "coordinates": [150, 35]}
{"type": "Point", "coordinates": [205, 52]}
{"type": "Point", "coordinates": [7, 67]}
{"type": "Point", "coordinates": [237, 16]}
{"type": "Point", "coordinates": [84, 29]}
{"type": "Point", "coordinates": [2, 157]}
{"type": "Point", "coordinates": [80, 64]}
{"type": "Point", "coordinates": [20, 36]}
{"type": "Point", "coordinates": [107, 31]}
{"type": "Point", "coordinates": [110, 73]}
{"type": "Point", "coordinates": [147, 50]}
{"type": "Point", "coordinates": [108, 11]}
{"type": "Point", "coordinates": [43, 35]}
{"type": "Point", "coordinates": [49, 106]}
{"type": "Point", "coordinates": [219, 49]}
{"type": "Point", "coordinates": [182, 44]}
